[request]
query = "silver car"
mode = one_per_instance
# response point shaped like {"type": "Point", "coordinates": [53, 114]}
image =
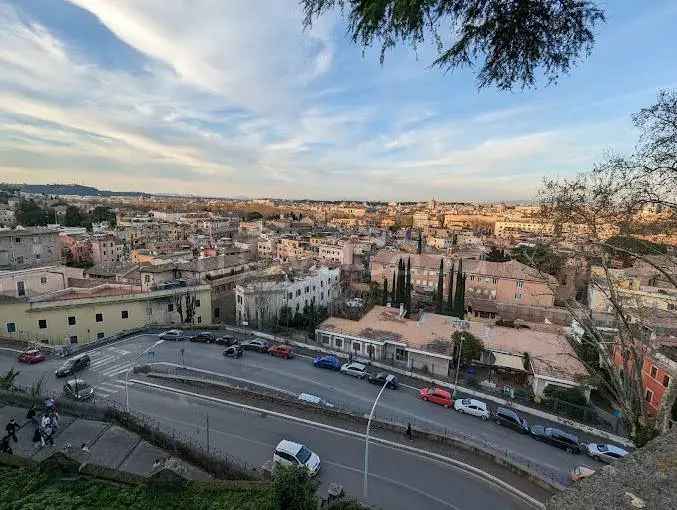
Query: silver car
{"type": "Point", "coordinates": [605, 452]}
{"type": "Point", "coordinates": [355, 369]}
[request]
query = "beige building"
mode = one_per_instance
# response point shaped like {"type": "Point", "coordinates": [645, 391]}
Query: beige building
{"type": "Point", "coordinates": [340, 253]}
{"type": "Point", "coordinates": [266, 246]}
{"type": "Point", "coordinates": [420, 220]}
{"type": "Point", "coordinates": [29, 247]}
{"type": "Point", "coordinates": [292, 248]}
{"type": "Point", "coordinates": [107, 250]}
{"type": "Point", "coordinates": [511, 228]}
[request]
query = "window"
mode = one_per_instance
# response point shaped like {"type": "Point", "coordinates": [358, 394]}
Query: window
{"type": "Point", "coordinates": [401, 354]}
{"type": "Point", "coordinates": [338, 343]}
{"type": "Point", "coordinates": [654, 371]}
{"type": "Point", "coordinates": [20, 260]}
{"type": "Point", "coordinates": [124, 314]}
{"type": "Point", "coordinates": [170, 307]}
{"type": "Point", "coordinates": [20, 289]}
{"type": "Point", "coordinates": [100, 334]}
{"type": "Point", "coordinates": [290, 295]}
{"type": "Point", "coordinates": [43, 280]}
{"type": "Point", "coordinates": [74, 339]}
{"type": "Point", "coordinates": [99, 317]}
{"type": "Point", "coordinates": [494, 281]}
{"type": "Point", "coordinates": [520, 284]}
{"type": "Point", "coordinates": [672, 306]}
{"type": "Point", "coordinates": [357, 346]}
{"type": "Point", "coordinates": [17, 239]}
{"type": "Point", "coordinates": [11, 328]}
{"type": "Point", "coordinates": [217, 311]}
{"type": "Point", "coordinates": [325, 339]}
{"type": "Point", "coordinates": [648, 396]}
{"type": "Point", "coordinates": [519, 296]}
{"type": "Point", "coordinates": [146, 278]}
{"type": "Point", "coordinates": [199, 319]}
{"type": "Point", "coordinates": [71, 320]}
{"type": "Point", "coordinates": [298, 292]}
{"type": "Point", "coordinates": [666, 378]}
{"type": "Point", "coordinates": [42, 324]}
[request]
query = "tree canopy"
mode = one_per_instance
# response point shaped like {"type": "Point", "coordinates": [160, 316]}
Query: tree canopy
{"type": "Point", "coordinates": [540, 256]}
{"type": "Point", "coordinates": [471, 346]}
{"type": "Point", "coordinates": [512, 43]}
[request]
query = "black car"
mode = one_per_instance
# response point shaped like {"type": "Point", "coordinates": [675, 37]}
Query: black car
{"type": "Point", "coordinates": [204, 337]}
{"type": "Point", "coordinates": [73, 365]}
{"type": "Point", "coordinates": [509, 418]}
{"type": "Point", "coordinates": [234, 351]}
{"type": "Point", "coordinates": [557, 438]}
{"type": "Point", "coordinates": [380, 379]}
{"type": "Point", "coordinates": [255, 345]}
{"type": "Point", "coordinates": [77, 389]}
{"type": "Point", "coordinates": [225, 340]}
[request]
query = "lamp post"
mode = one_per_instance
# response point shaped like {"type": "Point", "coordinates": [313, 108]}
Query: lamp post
{"type": "Point", "coordinates": [389, 378]}
{"type": "Point", "coordinates": [131, 368]}
{"type": "Point", "coordinates": [458, 367]}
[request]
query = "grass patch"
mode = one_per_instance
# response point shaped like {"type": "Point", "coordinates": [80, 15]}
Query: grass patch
{"type": "Point", "coordinates": [29, 489]}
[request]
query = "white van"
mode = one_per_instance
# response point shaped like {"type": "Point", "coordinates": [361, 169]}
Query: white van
{"type": "Point", "coordinates": [289, 453]}
{"type": "Point", "coordinates": [472, 406]}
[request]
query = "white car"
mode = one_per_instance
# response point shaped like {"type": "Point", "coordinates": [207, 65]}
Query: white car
{"type": "Point", "coordinates": [605, 452]}
{"type": "Point", "coordinates": [172, 334]}
{"type": "Point", "coordinates": [472, 406]}
{"type": "Point", "coordinates": [314, 399]}
{"type": "Point", "coordinates": [355, 369]}
{"type": "Point", "coordinates": [289, 453]}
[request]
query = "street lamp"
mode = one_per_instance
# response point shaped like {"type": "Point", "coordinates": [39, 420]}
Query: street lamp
{"type": "Point", "coordinates": [131, 368]}
{"type": "Point", "coordinates": [389, 378]}
{"type": "Point", "coordinates": [458, 367]}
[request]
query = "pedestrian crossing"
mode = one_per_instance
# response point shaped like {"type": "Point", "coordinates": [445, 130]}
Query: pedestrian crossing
{"type": "Point", "coordinates": [108, 388]}
{"type": "Point", "coordinates": [110, 362]}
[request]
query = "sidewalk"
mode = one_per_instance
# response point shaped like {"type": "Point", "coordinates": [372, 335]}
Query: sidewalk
{"type": "Point", "coordinates": [486, 396]}
{"type": "Point", "coordinates": [109, 446]}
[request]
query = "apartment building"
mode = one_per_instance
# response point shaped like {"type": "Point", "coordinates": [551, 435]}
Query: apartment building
{"type": "Point", "coordinates": [266, 246]}
{"type": "Point", "coordinates": [289, 248]}
{"type": "Point", "coordinates": [420, 220]}
{"type": "Point", "coordinates": [258, 302]}
{"type": "Point", "coordinates": [513, 228]}
{"type": "Point", "coordinates": [340, 253]}
{"type": "Point", "coordinates": [29, 247]}
{"type": "Point", "coordinates": [83, 314]}
{"type": "Point", "coordinates": [107, 250]}
{"type": "Point", "coordinates": [7, 216]}
{"type": "Point", "coordinates": [36, 281]}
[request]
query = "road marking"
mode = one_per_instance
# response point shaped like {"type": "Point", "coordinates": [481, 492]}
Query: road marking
{"type": "Point", "coordinates": [410, 387]}
{"type": "Point", "coordinates": [103, 361]}
{"type": "Point", "coordinates": [424, 453]}
{"type": "Point", "coordinates": [119, 351]}
{"type": "Point", "coordinates": [12, 350]}
{"type": "Point", "coordinates": [118, 369]}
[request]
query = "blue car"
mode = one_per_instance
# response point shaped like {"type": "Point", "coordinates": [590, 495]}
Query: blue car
{"type": "Point", "coordinates": [330, 362]}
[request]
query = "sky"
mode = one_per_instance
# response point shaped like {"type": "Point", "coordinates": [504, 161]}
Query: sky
{"type": "Point", "coordinates": [234, 98]}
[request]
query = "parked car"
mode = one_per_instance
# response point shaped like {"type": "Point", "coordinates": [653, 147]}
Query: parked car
{"type": "Point", "coordinates": [580, 472]}
{"type": "Point", "coordinates": [255, 345]}
{"type": "Point", "coordinates": [78, 389]}
{"type": "Point", "coordinates": [557, 438]}
{"type": "Point", "coordinates": [73, 365]}
{"type": "Point", "coordinates": [31, 357]}
{"type": "Point", "coordinates": [509, 418]}
{"type": "Point", "coordinates": [605, 452]}
{"type": "Point", "coordinates": [314, 399]}
{"type": "Point", "coordinates": [436, 396]}
{"type": "Point", "coordinates": [289, 453]}
{"type": "Point", "coordinates": [225, 340]}
{"type": "Point", "coordinates": [355, 369]}
{"type": "Point", "coordinates": [234, 351]}
{"type": "Point", "coordinates": [380, 379]}
{"type": "Point", "coordinates": [330, 362]}
{"type": "Point", "coordinates": [472, 407]}
{"type": "Point", "coordinates": [281, 351]}
{"type": "Point", "coordinates": [204, 337]}
{"type": "Point", "coordinates": [172, 334]}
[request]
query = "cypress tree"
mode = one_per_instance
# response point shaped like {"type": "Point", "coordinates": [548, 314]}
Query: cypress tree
{"type": "Point", "coordinates": [401, 283]}
{"type": "Point", "coordinates": [450, 292]}
{"type": "Point", "coordinates": [385, 291]}
{"type": "Point", "coordinates": [460, 289]}
{"type": "Point", "coordinates": [440, 287]}
{"type": "Point", "coordinates": [419, 248]}
{"type": "Point", "coordinates": [393, 292]}
{"type": "Point", "coordinates": [408, 286]}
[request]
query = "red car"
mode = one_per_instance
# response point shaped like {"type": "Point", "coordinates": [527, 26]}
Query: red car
{"type": "Point", "coordinates": [281, 351]}
{"type": "Point", "coordinates": [31, 357]}
{"type": "Point", "coordinates": [436, 396]}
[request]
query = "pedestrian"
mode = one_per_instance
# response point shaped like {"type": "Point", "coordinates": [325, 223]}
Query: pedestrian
{"type": "Point", "coordinates": [11, 429]}
{"type": "Point", "coordinates": [5, 447]}
{"type": "Point", "coordinates": [410, 435]}
{"type": "Point", "coordinates": [47, 434]}
{"type": "Point", "coordinates": [30, 415]}
{"type": "Point", "coordinates": [37, 439]}
{"type": "Point", "coordinates": [84, 448]}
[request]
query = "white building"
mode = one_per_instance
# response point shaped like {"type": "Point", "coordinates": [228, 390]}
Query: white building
{"type": "Point", "coordinates": [260, 302]}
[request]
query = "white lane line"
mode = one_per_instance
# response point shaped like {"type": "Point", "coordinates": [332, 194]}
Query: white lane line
{"type": "Point", "coordinates": [119, 351]}
{"type": "Point", "coordinates": [103, 361]}
{"type": "Point", "coordinates": [410, 387]}
{"type": "Point", "coordinates": [478, 473]}
{"type": "Point", "coordinates": [11, 350]}
{"type": "Point", "coordinates": [118, 369]}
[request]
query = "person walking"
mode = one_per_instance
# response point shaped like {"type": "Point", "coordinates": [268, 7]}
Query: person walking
{"type": "Point", "coordinates": [37, 439]}
{"type": "Point", "coordinates": [409, 432]}
{"type": "Point", "coordinates": [30, 415]}
{"type": "Point", "coordinates": [11, 429]}
{"type": "Point", "coordinates": [5, 447]}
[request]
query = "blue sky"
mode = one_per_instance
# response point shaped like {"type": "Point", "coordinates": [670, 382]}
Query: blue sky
{"type": "Point", "coordinates": [233, 98]}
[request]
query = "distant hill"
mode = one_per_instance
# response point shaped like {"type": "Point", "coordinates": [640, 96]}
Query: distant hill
{"type": "Point", "coordinates": [73, 189]}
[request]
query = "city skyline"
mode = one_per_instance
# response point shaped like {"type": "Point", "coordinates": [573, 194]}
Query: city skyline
{"type": "Point", "coordinates": [224, 101]}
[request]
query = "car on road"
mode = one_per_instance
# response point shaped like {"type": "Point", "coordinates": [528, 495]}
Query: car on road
{"type": "Point", "coordinates": [78, 389]}
{"type": "Point", "coordinates": [436, 396]}
{"type": "Point", "coordinates": [557, 438]}
{"type": "Point", "coordinates": [204, 337]}
{"type": "Point", "coordinates": [281, 351]}
{"type": "Point", "coordinates": [31, 357]}
{"type": "Point", "coordinates": [73, 365]}
{"type": "Point", "coordinates": [314, 399]}
{"type": "Point", "coordinates": [355, 369]}
{"type": "Point", "coordinates": [255, 345]}
{"type": "Point", "coordinates": [289, 453]}
{"type": "Point", "coordinates": [509, 418]}
{"type": "Point", "coordinates": [472, 407]}
{"type": "Point", "coordinates": [225, 340]}
{"type": "Point", "coordinates": [172, 334]}
{"type": "Point", "coordinates": [380, 379]}
{"type": "Point", "coordinates": [234, 351]}
{"type": "Point", "coordinates": [605, 452]}
{"type": "Point", "coordinates": [329, 362]}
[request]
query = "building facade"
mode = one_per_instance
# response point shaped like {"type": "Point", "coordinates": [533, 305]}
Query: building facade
{"type": "Point", "coordinates": [22, 248]}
